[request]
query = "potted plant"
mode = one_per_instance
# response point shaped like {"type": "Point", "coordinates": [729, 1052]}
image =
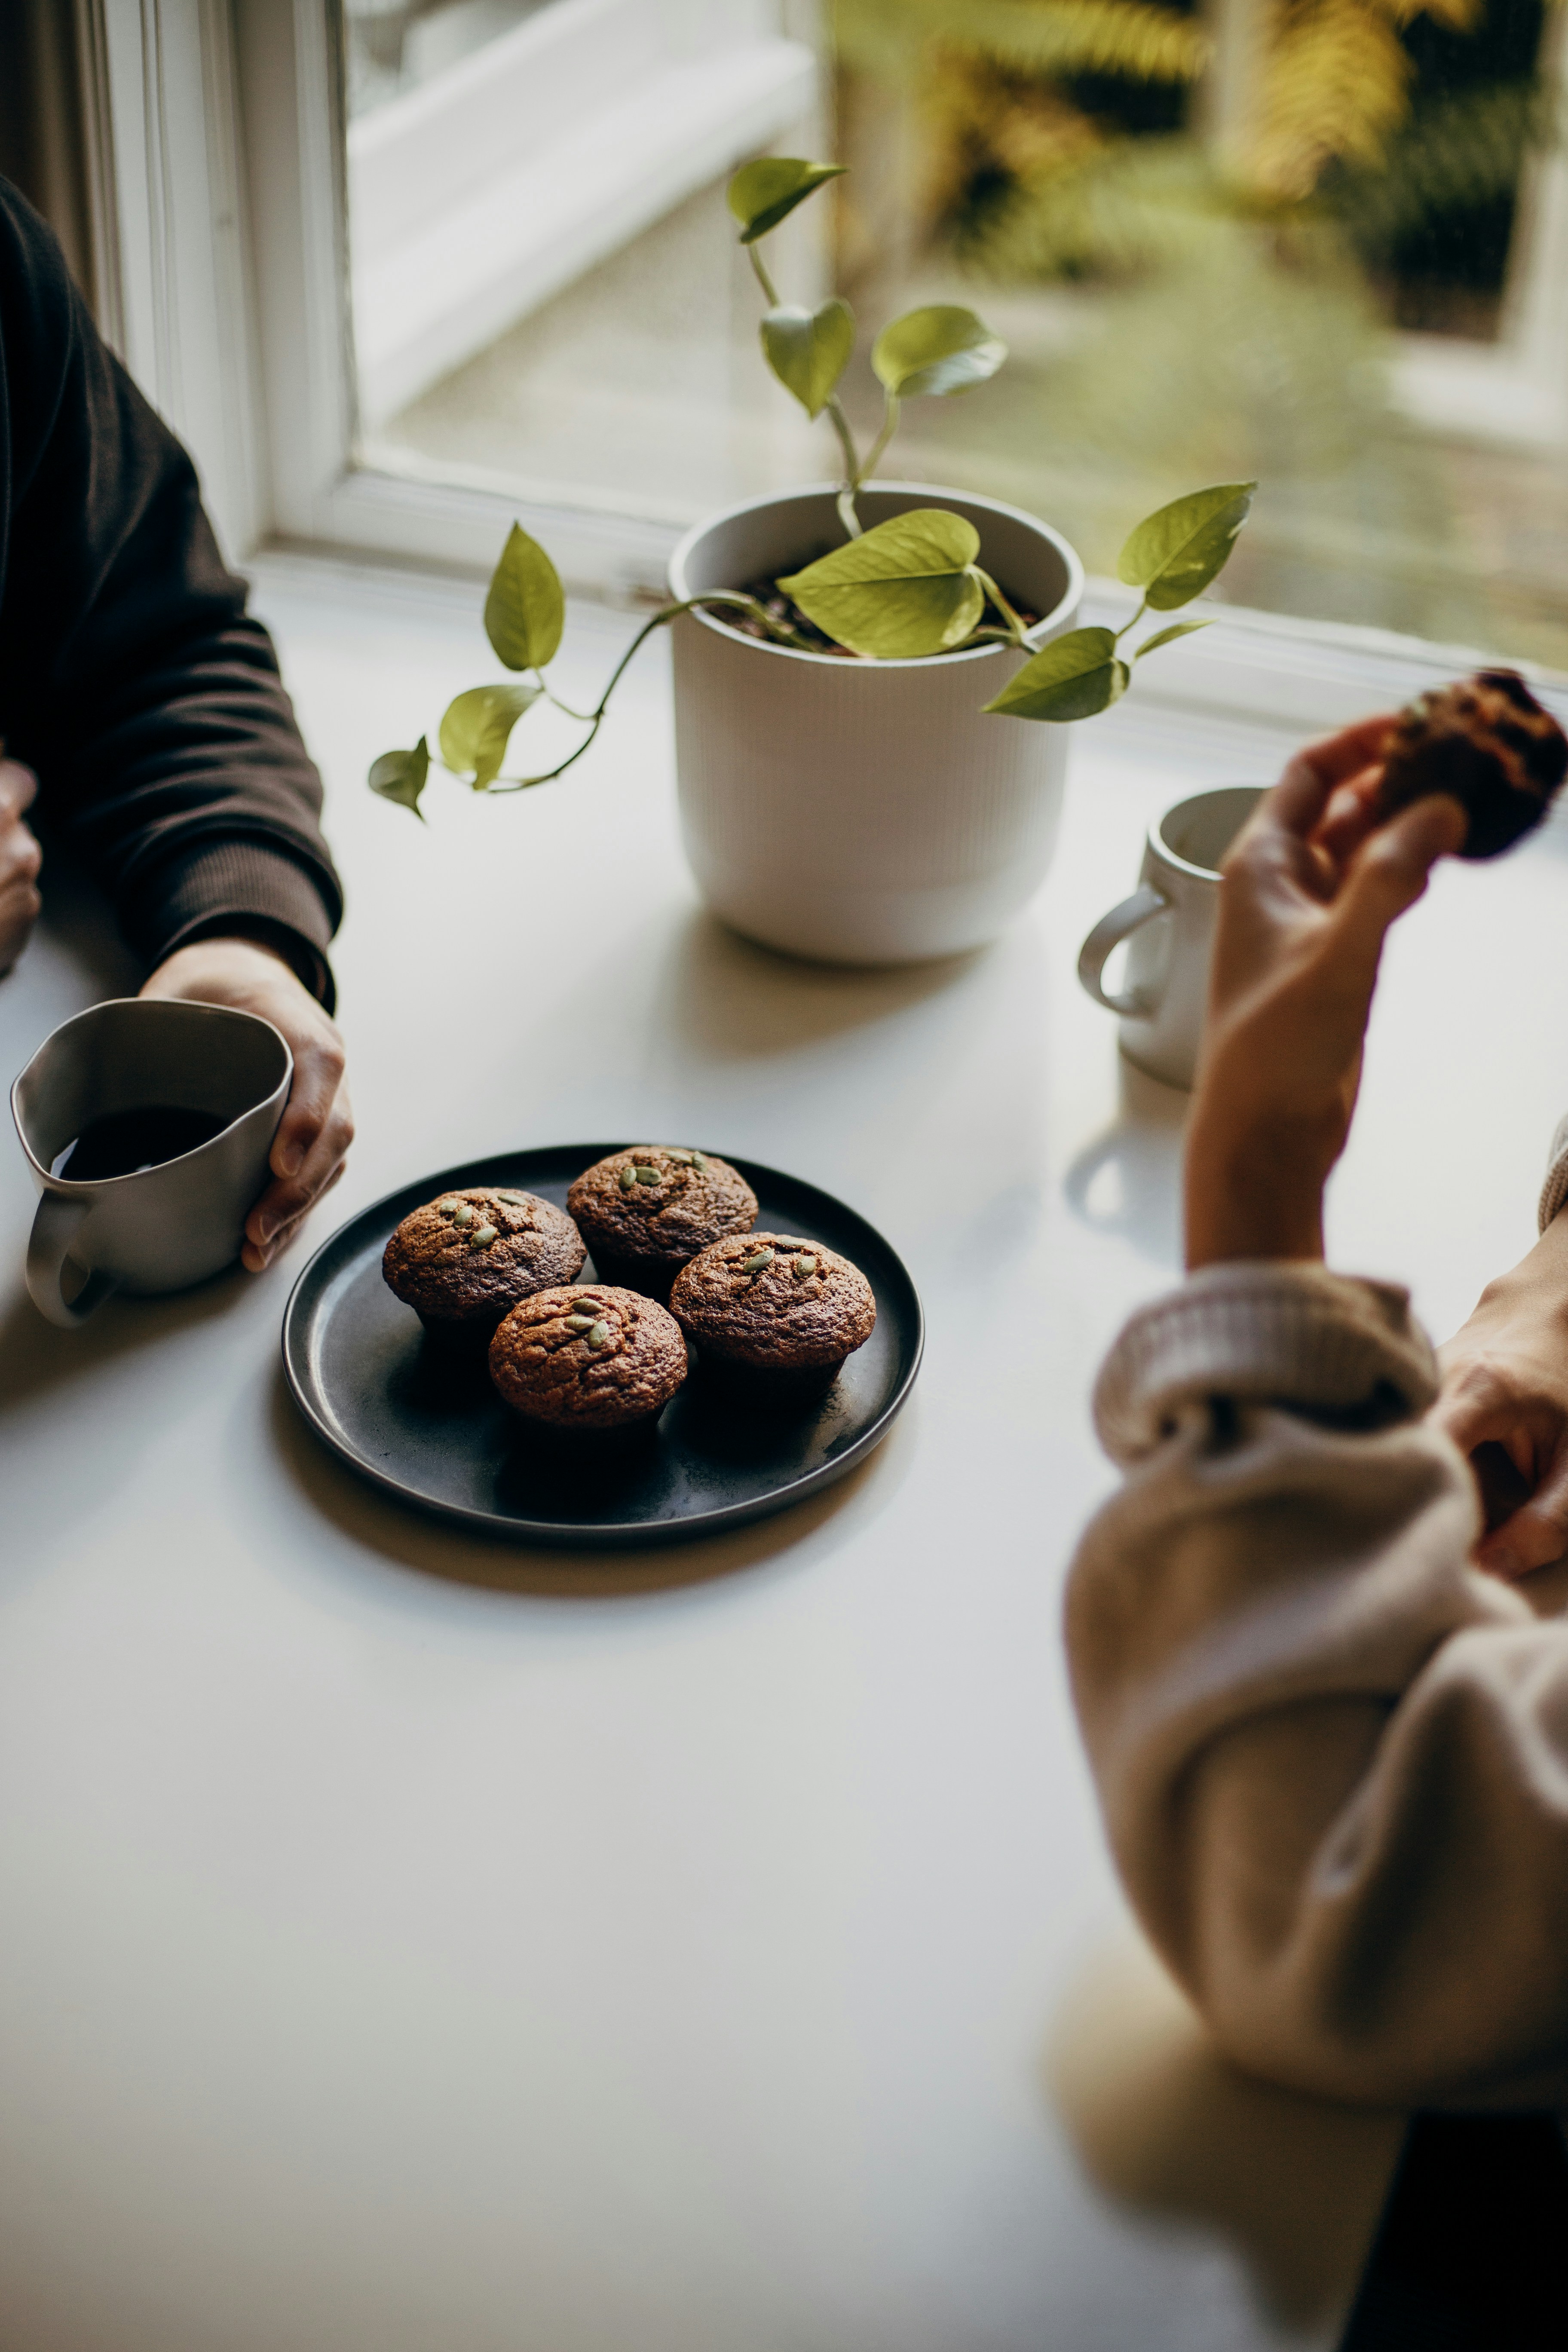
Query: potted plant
{"type": "Point", "coordinates": [854, 666]}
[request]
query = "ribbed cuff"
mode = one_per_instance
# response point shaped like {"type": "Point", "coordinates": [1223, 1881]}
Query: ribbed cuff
{"type": "Point", "coordinates": [1554, 1192]}
{"type": "Point", "coordinates": [1294, 1334]}
{"type": "Point", "coordinates": [244, 888]}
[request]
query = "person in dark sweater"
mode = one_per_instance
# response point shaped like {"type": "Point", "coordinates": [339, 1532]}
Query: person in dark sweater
{"type": "Point", "coordinates": [141, 705]}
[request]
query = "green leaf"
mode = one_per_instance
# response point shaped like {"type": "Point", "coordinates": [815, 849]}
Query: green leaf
{"type": "Point", "coordinates": [1168, 636]}
{"type": "Point", "coordinates": [400, 776]}
{"type": "Point", "coordinates": [1173, 555]}
{"type": "Point", "coordinates": [941, 348]}
{"type": "Point", "coordinates": [1072, 677]}
{"type": "Point", "coordinates": [764, 193]}
{"type": "Point", "coordinates": [905, 589]}
{"type": "Point", "coordinates": [808, 350]}
{"type": "Point", "coordinates": [525, 611]}
{"type": "Point", "coordinates": [477, 726]}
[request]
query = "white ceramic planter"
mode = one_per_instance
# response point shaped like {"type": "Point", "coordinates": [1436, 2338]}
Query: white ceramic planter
{"type": "Point", "coordinates": [862, 811]}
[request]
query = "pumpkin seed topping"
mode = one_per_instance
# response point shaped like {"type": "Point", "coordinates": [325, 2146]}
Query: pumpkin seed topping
{"type": "Point", "coordinates": [579, 1322]}
{"type": "Point", "coordinates": [599, 1336]}
{"type": "Point", "coordinates": [629, 1177]}
{"type": "Point", "coordinates": [758, 1259]}
{"type": "Point", "coordinates": [483, 1238]}
{"type": "Point", "coordinates": [463, 1214]}
{"type": "Point", "coordinates": [518, 1200]}
{"type": "Point", "coordinates": [647, 1176]}
{"type": "Point", "coordinates": [803, 1267]}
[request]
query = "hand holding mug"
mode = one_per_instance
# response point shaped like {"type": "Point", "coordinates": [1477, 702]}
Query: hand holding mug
{"type": "Point", "coordinates": [313, 1136]}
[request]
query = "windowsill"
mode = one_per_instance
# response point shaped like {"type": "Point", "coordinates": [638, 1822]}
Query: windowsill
{"type": "Point", "coordinates": [1268, 669]}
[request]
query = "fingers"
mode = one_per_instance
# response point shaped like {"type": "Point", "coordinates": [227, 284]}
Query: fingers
{"type": "Point", "coordinates": [1390, 870]}
{"type": "Point", "coordinates": [1298, 799]}
{"type": "Point", "coordinates": [255, 1259]}
{"type": "Point", "coordinates": [21, 859]}
{"type": "Point", "coordinates": [270, 1225]}
{"type": "Point", "coordinates": [1515, 1434]}
{"type": "Point", "coordinates": [319, 1065]}
{"type": "Point", "coordinates": [18, 789]}
{"type": "Point", "coordinates": [1536, 1533]}
{"type": "Point", "coordinates": [20, 904]}
{"type": "Point", "coordinates": [1352, 812]}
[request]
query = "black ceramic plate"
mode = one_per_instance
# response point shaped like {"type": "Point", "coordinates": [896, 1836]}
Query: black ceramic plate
{"type": "Point", "coordinates": [441, 1440]}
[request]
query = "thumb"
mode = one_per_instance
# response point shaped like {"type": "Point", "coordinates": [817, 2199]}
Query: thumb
{"type": "Point", "coordinates": [1389, 872]}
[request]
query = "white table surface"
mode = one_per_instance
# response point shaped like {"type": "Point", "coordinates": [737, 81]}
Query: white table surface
{"type": "Point", "coordinates": [406, 1941]}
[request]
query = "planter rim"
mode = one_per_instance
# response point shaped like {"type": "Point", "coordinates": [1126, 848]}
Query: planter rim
{"type": "Point", "coordinates": [1070, 597]}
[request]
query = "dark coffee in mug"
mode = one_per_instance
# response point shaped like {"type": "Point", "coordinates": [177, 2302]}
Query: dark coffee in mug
{"type": "Point", "coordinates": [123, 1142]}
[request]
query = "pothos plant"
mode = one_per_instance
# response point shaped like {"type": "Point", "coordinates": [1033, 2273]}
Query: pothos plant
{"type": "Point", "coordinates": [908, 588]}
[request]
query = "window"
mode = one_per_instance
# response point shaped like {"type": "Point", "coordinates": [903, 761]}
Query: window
{"type": "Point", "coordinates": [1325, 244]}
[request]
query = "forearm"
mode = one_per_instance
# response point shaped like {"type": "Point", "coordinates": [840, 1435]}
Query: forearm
{"type": "Point", "coordinates": [1329, 1753]}
{"type": "Point", "coordinates": [1250, 1196]}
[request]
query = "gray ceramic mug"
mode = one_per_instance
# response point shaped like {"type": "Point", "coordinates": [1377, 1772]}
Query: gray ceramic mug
{"type": "Point", "coordinates": [1168, 923]}
{"type": "Point", "coordinates": [162, 1227]}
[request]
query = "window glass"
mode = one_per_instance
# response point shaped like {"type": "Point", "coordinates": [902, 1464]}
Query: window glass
{"type": "Point", "coordinates": [1323, 243]}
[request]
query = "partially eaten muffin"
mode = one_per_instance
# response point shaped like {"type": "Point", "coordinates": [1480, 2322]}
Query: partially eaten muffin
{"type": "Point", "coordinates": [1487, 743]}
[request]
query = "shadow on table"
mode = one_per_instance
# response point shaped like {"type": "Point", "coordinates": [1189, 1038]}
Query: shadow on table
{"type": "Point", "coordinates": [36, 1356]}
{"type": "Point", "coordinates": [734, 998]}
{"type": "Point", "coordinates": [1162, 2123]}
{"type": "Point", "coordinates": [1128, 1179]}
{"type": "Point", "coordinates": [359, 1511]}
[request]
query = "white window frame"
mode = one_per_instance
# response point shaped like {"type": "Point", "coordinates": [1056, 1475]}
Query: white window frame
{"type": "Point", "coordinates": [230, 305]}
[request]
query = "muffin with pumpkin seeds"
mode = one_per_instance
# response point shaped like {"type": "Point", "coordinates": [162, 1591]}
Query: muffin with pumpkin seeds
{"type": "Point", "coordinates": [588, 1360]}
{"type": "Point", "coordinates": [774, 1316]}
{"type": "Point", "coordinates": [645, 1212]}
{"type": "Point", "coordinates": [464, 1259]}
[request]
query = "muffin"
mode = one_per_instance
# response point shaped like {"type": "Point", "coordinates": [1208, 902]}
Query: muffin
{"type": "Point", "coordinates": [463, 1261]}
{"type": "Point", "coordinates": [772, 1315]}
{"type": "Point", "coordinates": [646, 1213]}
{"type": "Point", "coordinates": [588, 1360]}
{"type": "Point", "coordinates": [1487, 743]}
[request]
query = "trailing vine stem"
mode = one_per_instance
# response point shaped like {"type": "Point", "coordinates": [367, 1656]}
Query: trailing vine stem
{"type": "Point", "coordinates": [781, 633]}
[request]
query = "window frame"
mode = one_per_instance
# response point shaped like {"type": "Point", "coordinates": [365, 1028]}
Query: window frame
{"type": "Point", "coordinates": [225, 200]}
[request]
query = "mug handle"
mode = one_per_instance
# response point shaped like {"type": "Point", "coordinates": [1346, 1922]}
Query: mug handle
{"type": "Point", "coordinates": [1145, 903]}
{"type": "Point", "coordinates": [54, 1230]}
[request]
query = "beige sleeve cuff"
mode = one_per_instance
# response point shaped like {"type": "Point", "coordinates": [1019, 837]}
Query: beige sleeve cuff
{"type": "Point", "coordinates": [1554, 1192]}
{"type": "Point", "coordinates": [1287, 1332]}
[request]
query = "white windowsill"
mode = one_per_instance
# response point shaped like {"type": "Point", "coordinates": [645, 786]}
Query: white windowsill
{"type": "Point", "coordinates": [1259, 669]}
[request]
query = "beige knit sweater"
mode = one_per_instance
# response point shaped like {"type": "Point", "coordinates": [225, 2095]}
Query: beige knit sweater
{"type": "Point", "coordinates": [1332, 1756]}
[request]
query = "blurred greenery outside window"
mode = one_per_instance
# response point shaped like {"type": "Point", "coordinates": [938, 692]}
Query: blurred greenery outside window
{"type": "Point", "coordinates": [1319, 242]}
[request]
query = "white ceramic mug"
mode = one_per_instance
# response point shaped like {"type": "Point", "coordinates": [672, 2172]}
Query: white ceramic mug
{"type": "Point", "coordinates": [1168, 923]}
{"type": "Point", "coordinates": [171, 1223]}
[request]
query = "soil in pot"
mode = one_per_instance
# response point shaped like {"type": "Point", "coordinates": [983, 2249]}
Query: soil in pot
{"type": "Point", "coordinates": [775, 601]}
